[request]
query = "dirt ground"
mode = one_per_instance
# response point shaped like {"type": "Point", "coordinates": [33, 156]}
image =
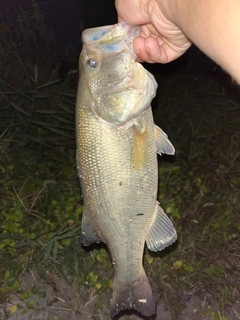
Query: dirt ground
{"type": "Point", "coordinates": [68, 303]}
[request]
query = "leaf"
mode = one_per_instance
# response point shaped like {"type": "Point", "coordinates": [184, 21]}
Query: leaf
{"type": "Point", "coordinates": [66, 109]}
{"type": "Point", "coordinates": [177, 264]}
{"type": "Point", "coordinates": [7, 275]}
{"type": "Point", "coordinates": [19, 109]}
{"type": "Point", "coordinates": [25, 295]}
{"type": "Point", "coordinates": [61, 119]}
{"type": "Point", "coordinates": [187, 267]}
{"type": "Point", "coordinates": [3, 134]}
{"type": "Point", "coordinates": [59, 268]}
{"type": "Point", "coordinates": [60, 132]}
{"type": "Point", "coordinates": [55, 251]}
{"type": "Point", "coordinates": [47, 249]}
{"type": "Point", "coordinates": [54, 128]}
{"type": "Point", "coordinates": [49, 84]}
{"type": "Point", "coordinates": [15, 285]}
{"type": "Point", "coordinates": [98, 286]}
{"type": "Point", "coordinates": [35, 68]}
{"type": "Point", "coordinates": [13, 309]}
{"type": "Point", "coordinates": [46, 111]}
{"type": "Point", "coordinates": [149, 259]}
{"type": "Point", "coordinates": [42, 273]}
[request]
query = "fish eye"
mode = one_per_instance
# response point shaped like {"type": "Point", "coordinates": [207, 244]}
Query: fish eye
{"type": "Point", "coordinates": [92, 63]}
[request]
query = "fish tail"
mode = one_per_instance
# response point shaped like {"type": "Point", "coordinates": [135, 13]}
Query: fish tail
{"type": "Point", "coordinates": [137, 296]}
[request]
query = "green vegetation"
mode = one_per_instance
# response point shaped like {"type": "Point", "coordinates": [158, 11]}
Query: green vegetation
{"type": "Point", "coordinates": [40, 197]}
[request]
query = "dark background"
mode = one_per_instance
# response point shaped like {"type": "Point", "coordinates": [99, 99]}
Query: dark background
{"type": "Point", "coordinates": [66, 19]}
{"type": "Point", "coordinates": [197, 106]}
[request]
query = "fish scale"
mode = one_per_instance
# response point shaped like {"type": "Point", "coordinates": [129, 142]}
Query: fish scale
{"type": "Point", "coordinates": [117, 143]}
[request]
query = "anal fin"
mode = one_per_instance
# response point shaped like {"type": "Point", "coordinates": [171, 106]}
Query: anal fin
{"type": "Point", "coordinates": [161, 233]}
{"type": "Point", "coordinates": [88, 235]}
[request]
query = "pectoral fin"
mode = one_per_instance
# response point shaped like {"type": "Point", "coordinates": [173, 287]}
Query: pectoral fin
{"type": "Point", "coordinates": [161, 233]}
{"type": "Point", "coordinates": [88, 235]}
{"type": "Point", "coordinates": [139, 148]}
{"type": "Point", "coordinates": [162, 143]}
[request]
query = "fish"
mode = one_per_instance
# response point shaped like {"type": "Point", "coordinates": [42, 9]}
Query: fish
{"type": "Point", "coordinates": [117, 146]}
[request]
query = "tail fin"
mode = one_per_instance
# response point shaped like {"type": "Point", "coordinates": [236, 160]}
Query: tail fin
{"type": "Point", "coordinates": [137, 296]}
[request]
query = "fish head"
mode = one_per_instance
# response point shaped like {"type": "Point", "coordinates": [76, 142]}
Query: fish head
{"type": "Point", "coordinates": [119, 87]}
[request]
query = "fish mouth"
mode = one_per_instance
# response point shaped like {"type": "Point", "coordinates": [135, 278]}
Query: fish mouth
{"type": "Point", "coordinates": [112, 39]}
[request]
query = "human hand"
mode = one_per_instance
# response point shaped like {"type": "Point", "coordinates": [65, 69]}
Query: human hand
{"type": "Point", "coordinates": [160, 40]}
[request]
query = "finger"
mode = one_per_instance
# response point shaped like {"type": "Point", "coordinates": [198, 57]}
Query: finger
{"type": "Point", "coordinates": [154, 50]}
{"type": "Point", "coordinates": [149, 50]}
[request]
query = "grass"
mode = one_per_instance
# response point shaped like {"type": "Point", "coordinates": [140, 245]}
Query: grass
{"type": "Point", "coordinates": [40, 198]}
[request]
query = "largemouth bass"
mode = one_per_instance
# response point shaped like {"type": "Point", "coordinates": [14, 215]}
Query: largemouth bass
{"type": "Point", "coordinates": [117, 146]}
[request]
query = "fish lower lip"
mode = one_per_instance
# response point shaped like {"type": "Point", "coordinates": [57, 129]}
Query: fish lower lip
{"type": "Point", "coordinates": [118, 88]}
